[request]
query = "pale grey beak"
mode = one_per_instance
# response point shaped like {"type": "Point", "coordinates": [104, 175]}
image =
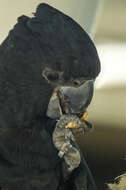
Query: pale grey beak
{"type": "Point", "coordinates": [76, 99]}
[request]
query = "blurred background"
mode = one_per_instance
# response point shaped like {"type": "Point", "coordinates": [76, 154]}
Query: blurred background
{"type": "Point", "coordinates": [105, 147]}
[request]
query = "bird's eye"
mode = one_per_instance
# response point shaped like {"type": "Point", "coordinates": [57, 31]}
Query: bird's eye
{"type": "Point", "coordinates": [52, 76]}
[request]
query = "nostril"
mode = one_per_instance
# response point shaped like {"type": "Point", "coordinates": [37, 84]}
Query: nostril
{"type": "Point", "coordinates": [76, 82]}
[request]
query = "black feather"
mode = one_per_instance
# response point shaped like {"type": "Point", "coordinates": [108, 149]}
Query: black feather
{"type": "Point", "coordinates": [28, 159]}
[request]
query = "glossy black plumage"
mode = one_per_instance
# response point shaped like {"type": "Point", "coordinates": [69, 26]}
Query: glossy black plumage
{"type": "Point", "coordinates": [28, 159]}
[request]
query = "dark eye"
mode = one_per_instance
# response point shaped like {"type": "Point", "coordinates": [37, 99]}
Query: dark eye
{"type": "Point", "coordinates": [52, 76]}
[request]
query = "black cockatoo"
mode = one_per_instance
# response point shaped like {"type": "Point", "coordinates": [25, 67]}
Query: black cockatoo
{"type": "Point", "coordinates": [49, 40]}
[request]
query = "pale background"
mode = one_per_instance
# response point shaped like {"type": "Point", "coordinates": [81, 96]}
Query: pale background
{"type": "Point", "coordinates": [105, 148]}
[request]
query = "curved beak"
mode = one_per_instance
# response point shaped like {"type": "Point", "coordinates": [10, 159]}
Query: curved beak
{"type": "Point", "coordinates": [76, 100]}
